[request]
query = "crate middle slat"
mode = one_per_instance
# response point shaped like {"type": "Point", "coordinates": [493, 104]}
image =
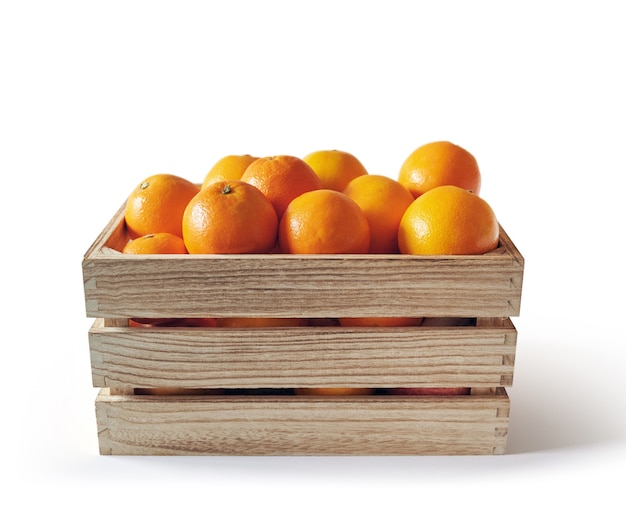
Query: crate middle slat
{"type": "Point", "coordinates": [467, 356]}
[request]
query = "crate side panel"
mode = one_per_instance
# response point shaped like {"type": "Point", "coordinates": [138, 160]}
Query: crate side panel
{"type": "Point", "coordinates": [302, 357]}
{"type": "Point", "coordinates": [302, 426]}
{"type": "Point", "coordinates": [284, 286]}
{"type": "Point", "coordinates": [154, 286]}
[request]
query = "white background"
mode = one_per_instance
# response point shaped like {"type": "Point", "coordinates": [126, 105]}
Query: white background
{"type": "Point", "coordinates": [95, 96]}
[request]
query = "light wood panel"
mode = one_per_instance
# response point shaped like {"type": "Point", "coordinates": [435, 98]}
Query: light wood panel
{"type": "Point", "coordinates": [292, 425]}
{"type": "Point", "coordinates": [284, 285]}
{"type": "Point", "coordinates": [462, 356]}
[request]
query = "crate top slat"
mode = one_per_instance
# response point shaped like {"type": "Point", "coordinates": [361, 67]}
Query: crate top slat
{"type": "Point", "coordinates": [285, 285]}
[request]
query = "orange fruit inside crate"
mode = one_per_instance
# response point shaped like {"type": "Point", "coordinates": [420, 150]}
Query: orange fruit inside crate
{"type": "Point", "coordinates": [230, 217]}
{"type": "Point", "coordinates": [335, 168]}
{"type": "Point", "coordinates": [157, 205]}
{"type": "Point", "coordinates": [228, 168]}
{"type": "Point", "coordinates": [281, 179]}
{"type": "Point", "coordinates": [158, 243]}
{"type": "Point", "coordinates": [384, 202]}
{"type": "Point", "coordinates": [324, 221]}
{"type": "Point", "coordinates": [439, 163]}
{"type": "Point", "coordinates": [448, 220]}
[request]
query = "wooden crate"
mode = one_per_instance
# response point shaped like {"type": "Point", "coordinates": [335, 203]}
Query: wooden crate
{"type": "Point", "coordinates": [476, 351]}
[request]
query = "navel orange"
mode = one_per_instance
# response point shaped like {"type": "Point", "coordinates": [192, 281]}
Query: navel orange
{"type": "Point", "coordinates": [439, 163]}
{"type": "Point", "coordinates": [384, 201]}
{"type": "Point", "coordinates": [157, 205]}
{"type": "Point", "coordinates": [448, 220]}
{"type": "Point", "coordinates": [324, 221]}
{"type": "Point", "coordinates": [281, 179]}
{"type": "Point", "coordinates": [161, 243]}
{"type": "Point", "coordinates": [335, 168]}
{"type": "Point", "coordinates": [228, 168]}
{"type": "Point", "coordinates": [229, 217]}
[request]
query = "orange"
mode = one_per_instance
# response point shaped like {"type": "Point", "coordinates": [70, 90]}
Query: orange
{"type": "Point", "coordinates": [448, 220]}
{"type": "Point", "coordinates": [384, 201]}
{"type": "Point", "coordinates": [324, 221]}
{"type": "Point", "coordinates": [281, 179]}
{"type": "Point", "coordinates": [156, 243]}
{"type": "Point", "coordinates": [228, 168]}
{"type": "Point", "coordinates": [334, 391]}
{"type": "Point", "coordinates": [335, 168]}
{"type": "Point", "coordinates": [261, 322]}
{"type": "Point", "coordinates": [439, 163]}
{"type": "Point", "coordinates": [229, 217]}
{"type": "Point", "coordinates": [157, 205]}
{"type": "Point", "coordinates": [380, 322]}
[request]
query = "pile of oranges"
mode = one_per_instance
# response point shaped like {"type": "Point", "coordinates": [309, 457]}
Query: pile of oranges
{"type": "Point", "coordinates": [323, 203]}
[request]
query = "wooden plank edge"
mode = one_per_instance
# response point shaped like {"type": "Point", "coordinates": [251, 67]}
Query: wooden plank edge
{"type": "Point", "coordinates": [162, 427]}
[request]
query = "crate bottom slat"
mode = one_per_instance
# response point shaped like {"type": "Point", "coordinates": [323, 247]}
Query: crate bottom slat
{"type": "Point", "coordinates": [302, 425]}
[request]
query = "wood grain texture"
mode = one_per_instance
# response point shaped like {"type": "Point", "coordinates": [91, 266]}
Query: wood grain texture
{"type": "Point", "coordinates": [118, 287]}
{"type": "Point", "coordinates": [292, 425]}
{"type": "Point", "coordinates": [152, 286]}
{"type": "Point", "coordinates": [462, 356]}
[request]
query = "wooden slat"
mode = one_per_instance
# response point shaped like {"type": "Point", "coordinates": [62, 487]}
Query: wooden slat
{"type": "Point", "coordinates": [302, 357]}
{"type": "Point", "coordinates": [154, 286]}
{"type": "Point", "coordinates": [297, 425]}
